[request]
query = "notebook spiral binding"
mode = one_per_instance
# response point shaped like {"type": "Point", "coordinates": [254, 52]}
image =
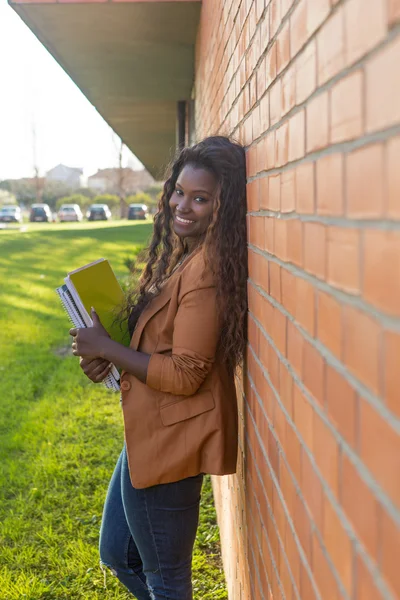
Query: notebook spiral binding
{"type": "Point", "coordinates": [111, 382]}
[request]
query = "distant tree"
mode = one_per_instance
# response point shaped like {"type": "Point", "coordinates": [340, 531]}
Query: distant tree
{"type": "Point", "coordinates": [82, 201]}
{"type": "Point", "coordinates": [113, 202]}
{"type": "Point", "coordinates": [140, 198]}
{"type": "Point", "coordinates": [6, 197]}
{"type": "Point", "coordinates": [151, 201]}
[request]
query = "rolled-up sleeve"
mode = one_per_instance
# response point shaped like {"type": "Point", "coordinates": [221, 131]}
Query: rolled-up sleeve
{"type": "Point", "coordinates": [195, 340]}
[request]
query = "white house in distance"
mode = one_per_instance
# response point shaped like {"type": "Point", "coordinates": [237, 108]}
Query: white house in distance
{"type": "Point", "coordinates": [71, 176]}
{"type": "Point", "coordinates": [117, 181]}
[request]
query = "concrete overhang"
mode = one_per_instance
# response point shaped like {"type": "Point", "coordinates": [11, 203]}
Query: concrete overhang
{"type": "Point", "coordinates": [133, 60]}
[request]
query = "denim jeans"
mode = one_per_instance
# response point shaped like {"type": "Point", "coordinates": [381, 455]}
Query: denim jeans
{"type": "Point", "coordinates": [147, 535]}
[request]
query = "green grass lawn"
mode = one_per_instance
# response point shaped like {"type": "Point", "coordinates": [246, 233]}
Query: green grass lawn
{"type": "Point", "coordinates": [60, 435]}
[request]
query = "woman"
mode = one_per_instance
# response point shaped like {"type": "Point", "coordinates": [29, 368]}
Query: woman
{"type": "Point", "coordinates": [188, 327]}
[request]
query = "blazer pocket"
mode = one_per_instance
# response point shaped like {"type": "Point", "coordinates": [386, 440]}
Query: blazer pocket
{"type": "Point", "coordinates": [186, 408]}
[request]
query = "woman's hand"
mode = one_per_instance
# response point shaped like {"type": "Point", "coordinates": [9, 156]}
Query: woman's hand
{"type": "Point", "coordinates": [95, 369]}
{"type": "Point", "coordinates": [88, 341]}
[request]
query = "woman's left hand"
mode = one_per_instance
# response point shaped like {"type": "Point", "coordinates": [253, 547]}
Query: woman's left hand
{"type": "Point", "coordinates": [88, 341]}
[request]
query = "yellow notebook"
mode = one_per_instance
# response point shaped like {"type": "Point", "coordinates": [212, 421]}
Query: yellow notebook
{"type": "Point", "coordinates": [96, 285]}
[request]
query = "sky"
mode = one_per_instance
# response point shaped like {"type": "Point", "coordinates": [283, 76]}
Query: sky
{"type": "Point", "coordinates": [37, 95]}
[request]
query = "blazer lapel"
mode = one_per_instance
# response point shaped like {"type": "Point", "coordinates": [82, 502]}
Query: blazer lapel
{"type": "Point", "coordinates": [155, 305]}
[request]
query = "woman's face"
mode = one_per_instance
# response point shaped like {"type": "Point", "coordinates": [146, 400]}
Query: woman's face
{"type": "Point", "coordinates": [192, 202]}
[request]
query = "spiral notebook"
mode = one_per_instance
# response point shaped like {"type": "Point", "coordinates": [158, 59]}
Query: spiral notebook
{"type": "Point", "coordinates": [95, 285]}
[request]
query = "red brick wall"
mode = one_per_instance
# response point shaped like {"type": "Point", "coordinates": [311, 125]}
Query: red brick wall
{"type": "Point", "coordinates": [312, 87]}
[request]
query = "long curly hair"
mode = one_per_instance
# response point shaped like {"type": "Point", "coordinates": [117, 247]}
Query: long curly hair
{"type": "Point", "coordinates": [224, 243]}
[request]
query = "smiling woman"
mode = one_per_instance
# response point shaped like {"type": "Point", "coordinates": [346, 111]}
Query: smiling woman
{"type": "Point", "coordinates": [187, 320]}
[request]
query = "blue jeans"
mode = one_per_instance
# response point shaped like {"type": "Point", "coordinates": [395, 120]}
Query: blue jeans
{"type": "Point", "coordinates": [147, 535]}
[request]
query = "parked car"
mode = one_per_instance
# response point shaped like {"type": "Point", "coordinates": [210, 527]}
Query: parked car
{"type": "Point", "coordinates": [138, 211]}
{"type": "Point", "coordinates": [40, 212]}
{"type": "Point", "coordinates": [10, 214]}
{"type": "Point", "coordinates": [70, 212]}
{"type": "Point", "coordinates": [98, 212]}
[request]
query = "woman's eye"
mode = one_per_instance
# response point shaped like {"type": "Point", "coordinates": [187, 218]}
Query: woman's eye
{"type": "Point", "coordinates": [179, 192]}
{"type": "Point", "coordinates": [200, 199]}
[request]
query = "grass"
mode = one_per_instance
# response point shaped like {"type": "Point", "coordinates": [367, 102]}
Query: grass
{"type": "Point", "coordinates": [60, 434]}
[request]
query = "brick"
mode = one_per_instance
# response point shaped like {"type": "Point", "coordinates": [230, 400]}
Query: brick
{"type": "Point", "coordinates": [288, 291]}
{"type": "Point", "coordinates": [314, 372]}
{"type": "Point", "coordinates": [262, 159]}
{"type": "Point", "coordinates": [392, 177]}
{"type": "Point", "coordinates": [252, 196]}
{"type": "Point", "coordinates": [251, 161]}
{"type": "Point", "coordinates": [295, 347]}
{"type": "Point", "coordinates": [288, 191]}
{"type": "Point", "coordinates": [365, 182]}
{"type": "Point", "coordinates": [274, 193]}
{"type": "Point", "coordinates": [391, 371]}
{"type": "Point", "coordinates": [380, 450]}
{"type": "Point", "coordinates": [381, 285]}
{"type": "Point", "coordinates": [280, 238]}
{"type": "Point", "coordinates": [286, 386]}
{"type": "Point", "coordinates": [317, 12]}
{"type": "Point", "coordinates": [330, 47]}
{"type": "Point", "coordinates": [303, 527]}
{"type": "Point", "coordinates": [315, 241]}
{"type": "Point", "coordinates": [292, 551]}
{"type": "Point", "coordinates": [270, 150]}
{"type": "Point", "coordinates": [362, 346]}
{"type": "Point", "coordinates": [330, 323]}
{"type": "Point", "coordinates": [346, 108]}
{"type": "Point", "coordinates": [339, 546]}
{"type": "Point", "coordinates": [294, 233]}
{"type": "Point", "coordinates": [288, 90]}
{"type": "Point", "coordinates": [383, 88]}
{"type": "Point", "coordinates": [275, 102]}
{"type": "Point", "coordinates": [312, 489]}
{"type": "Point", "coordinates": [390, 552]}
{"type": "Point", "coordinates": [264, 114]}
{"type": "Point", "coordinates": [329, 183]}
{"type": "Point", "coordinates": [344, 258]}
{"type": "Point", "coordinates": [293, 451]}
{"type": "Point", "coordinates": [365, 587]}
{"type": "Point", "coordinates": [269, 234]}
{"type": "Point", "coordinates": [306, 72]}
{"type": "Point", "coordinates": [326, 453]}
{"type": "Point", "coordinates": [318, 122]}
{"type": "Point", "coordinates": [256, 121]}
{"type": "Point", "coordinates": [307, 589]}
{"type": "Point", "coordinates": [263, 192]}
{"type": "Point", "coordinates": [341, 405]}
{"type": "Point", "coordinates": [361, 507]}
{"type": "Point", "coordinates": [305, 305]}
{"type": "Point", "coordinates": [257, 232]}
{"type": "Point", "coordinates": [298, 27]}
{"type": "Point", "coordinates": [364, 29]}
{"type": "Point", "coordinates": [270, 66]}
{"type": "Point", "coordinates": [253, 334]}
{"type": "Point", "coordinates": [305, 188]}
{"type": "Point", "coordinates": [275, 16]}
{"type": "Point", "coordinates": [303, 416]}
{"type": "Point", "coordinates": [275, 281]}
{"type": "Point", "coordinates": [323, 574]}
{"type": "Point", "coordinates": [283, 48]}
{"type": "Point", "coordinates": [297, 136]}
{"type": "Point", "coordinates": [394, 11]}
{"type": "Point", "coordinates": [282, 144]}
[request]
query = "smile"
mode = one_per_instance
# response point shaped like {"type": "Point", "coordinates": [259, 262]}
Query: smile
{"type": "Point", "coordinates": [185, 221]}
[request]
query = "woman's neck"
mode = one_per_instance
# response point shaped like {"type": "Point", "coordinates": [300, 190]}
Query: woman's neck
{"type": "Point", "coordinates": [191, 244]}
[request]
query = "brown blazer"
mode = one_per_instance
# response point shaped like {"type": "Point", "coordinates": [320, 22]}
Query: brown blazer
{"type": "Point", "coordinates": [183, 421]}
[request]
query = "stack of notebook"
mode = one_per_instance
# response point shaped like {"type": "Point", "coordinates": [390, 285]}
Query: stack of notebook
{"type": "Point", "coordinates": [95, 285]}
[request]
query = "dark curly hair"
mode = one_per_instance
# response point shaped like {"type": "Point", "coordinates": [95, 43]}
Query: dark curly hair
{"type": "Point", "coordinates": [224, 243]}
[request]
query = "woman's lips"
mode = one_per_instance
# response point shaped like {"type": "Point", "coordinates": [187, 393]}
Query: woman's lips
{"type": "Point", "coordinates": [183, 221]}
